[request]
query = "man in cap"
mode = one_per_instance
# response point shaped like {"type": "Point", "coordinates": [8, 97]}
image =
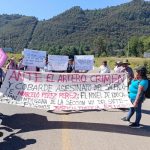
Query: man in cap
{"type": "Point", "coordinates": [128, 70]}
{"type": "Point", "coordinates": [118, 67]}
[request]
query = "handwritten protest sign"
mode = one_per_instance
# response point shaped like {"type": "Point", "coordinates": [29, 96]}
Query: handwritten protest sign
{"type": "Point", "coordinates": [84, 62]}
{"type": "Point", "coordinates": [57, 62]}
{"type": "Point", "coordinates": [55, 91]}
{"type": "Point", "coordinates": [34, 58]}
{"type": "Point", "coordinates": [3, 57]}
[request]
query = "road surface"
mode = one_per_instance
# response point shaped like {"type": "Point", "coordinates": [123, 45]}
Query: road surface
{"type": "Point", "coordinates": [33, 129]}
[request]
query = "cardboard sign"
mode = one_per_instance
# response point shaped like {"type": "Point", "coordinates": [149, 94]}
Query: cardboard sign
{"type": "Point", "coordinates": [34, 58]}
{"type": "Point", "coordinates": [84, 62]}
{"type": "Point", "coordinates": [57, 62]}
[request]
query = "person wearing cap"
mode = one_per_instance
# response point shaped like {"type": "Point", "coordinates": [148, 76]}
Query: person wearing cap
{"type": "Point", "coordinates": [104, 68]}
{"type": "Point", "coordinates": [136, 94]}
{"type": "Point", "coordinates": [128, 70]}
{"type": "Point", "coordinates": [118, 67]}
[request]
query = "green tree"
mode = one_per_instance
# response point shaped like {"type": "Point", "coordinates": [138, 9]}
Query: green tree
{"type": "Point", "coordinates": [146, 42]}
{"type": "Point", "coordinates": [99, 46]}
{"type": "Point", "coordinates": [132, 47]}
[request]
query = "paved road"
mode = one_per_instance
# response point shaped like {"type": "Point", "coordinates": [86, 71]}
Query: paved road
{"type": "Point", "coordinates": [33, 129]}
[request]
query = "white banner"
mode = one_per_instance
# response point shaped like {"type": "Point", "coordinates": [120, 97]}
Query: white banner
{"type": "Point", "coordinates": [84, 62]}
{"type": "Point", "coordinates": [146, 54]}
{"type": "Point", "coordinates": [55, 91]}
{"type": "Point", "coordinates": [34, 58]}
{"type": "Point", "coordinates": [57, 62]}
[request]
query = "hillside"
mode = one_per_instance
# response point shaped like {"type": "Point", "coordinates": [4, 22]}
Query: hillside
{"type": "Point", "coordinates": [16, 30]}
{"type": "Point", "coordinates": [77, 28]}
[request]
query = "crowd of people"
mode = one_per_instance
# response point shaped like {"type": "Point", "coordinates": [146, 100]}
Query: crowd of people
{"type": "Point", "coordinates": [120, 67]}
{"type": "Point", "coordinates": [137, 83]}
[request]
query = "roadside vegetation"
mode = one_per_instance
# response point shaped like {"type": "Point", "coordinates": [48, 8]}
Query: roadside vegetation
{"type": "Point", "coordinates": [134, 61]}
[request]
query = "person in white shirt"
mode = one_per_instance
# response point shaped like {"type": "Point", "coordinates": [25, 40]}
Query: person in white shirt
{"type": "Point", "coordinates": [104, 68]}
{"type": "Point", "coordinates": [128, 70]}
{"type": "Point", "coordinates": [118, 68]}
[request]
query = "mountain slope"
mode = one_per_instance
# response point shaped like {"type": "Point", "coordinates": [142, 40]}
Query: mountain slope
{"type": "Point", "coordinates": [77, 27]}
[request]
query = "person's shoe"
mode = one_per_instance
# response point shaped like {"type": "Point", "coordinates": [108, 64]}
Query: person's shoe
{"type": "Point", "coordinates": [1, 134]}
{"type": "Point", "coordinates": [125, 119]}
{"type": "Point", "coordinates": [124, 109]}
{"type": "Point", "coordinates": [134, 125]}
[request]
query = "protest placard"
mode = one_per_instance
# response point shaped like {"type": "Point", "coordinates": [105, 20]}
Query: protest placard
{"type": "Point", "coordinates": [84, 62]}
{"type": "Point", "coordinates": [34, 58]}
{"type": "Point", "coordinates": [3, 57]}
{"type": "Point", "coordinates": [57, 91]}
{"type": "Point", "coordinates": [57, 62]}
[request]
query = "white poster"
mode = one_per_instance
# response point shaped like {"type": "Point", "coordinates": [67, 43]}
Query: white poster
{"type": "Point", "coordinates": [57, 62]}
{"type": "Point", "coordinates": [84, 62]}
{"type": "Point", "coordinates": [146, 54]}
{"type": "Point", "coordinates": [34, 58]}
{"type": "Point", "coordinates": [69, 91]}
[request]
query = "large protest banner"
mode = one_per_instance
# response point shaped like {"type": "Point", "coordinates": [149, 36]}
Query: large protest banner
{"type": "Point", "coordinates": [3, 57]}
{"type": "Point", "coordinates": [34, 58]}
{"type": "Point", "coordinates": [84, 62]}
{"type": "Point", "coordinates": [56, 91]}
{"type": "Point", "coordinates": [57, 62]}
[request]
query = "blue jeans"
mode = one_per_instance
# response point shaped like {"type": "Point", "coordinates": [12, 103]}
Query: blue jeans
{"type": "Point", "coordinates": [138, 113]}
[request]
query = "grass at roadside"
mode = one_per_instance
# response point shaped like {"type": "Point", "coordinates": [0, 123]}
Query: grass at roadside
{"type": "Point", "coordinates": [134, 61]}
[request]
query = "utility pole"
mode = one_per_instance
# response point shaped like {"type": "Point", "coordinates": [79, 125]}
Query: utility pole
{"type": "Point", "coordinates": [4, 41]}
{"type": "Point", "coordinates": [10, 41]}
{"type": "Point", "coordinates": [128, 49]}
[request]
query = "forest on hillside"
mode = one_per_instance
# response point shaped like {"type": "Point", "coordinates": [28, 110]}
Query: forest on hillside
{"type": "Point", "coordinates": [118, 30]}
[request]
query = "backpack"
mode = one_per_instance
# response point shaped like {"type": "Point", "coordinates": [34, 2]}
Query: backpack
{"type": "Point", "coordinates": [147, 92]}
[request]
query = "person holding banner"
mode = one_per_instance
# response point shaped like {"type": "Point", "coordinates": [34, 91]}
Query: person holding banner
{"type": "Point", "coordinates": [70, 67]}
{"type": "Point", "coordinates": [20, 65]}
{"type": "Point", "coordinates": [11, 64]}
{"type": "Point", "coordinates": [32, 68]}
{"type": "Point", "coordinates": [128, 70]}
{"type": "Point", "coordinates": [45, 68]}
{"type": "Point", "coordinates": [136, 94]}
{"type": "Point", "coordinates": [104, 68]}
{"type": "Point", "coordinates": [118, 67]}
{"type": "Point", "coordinates": [2, 75]}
